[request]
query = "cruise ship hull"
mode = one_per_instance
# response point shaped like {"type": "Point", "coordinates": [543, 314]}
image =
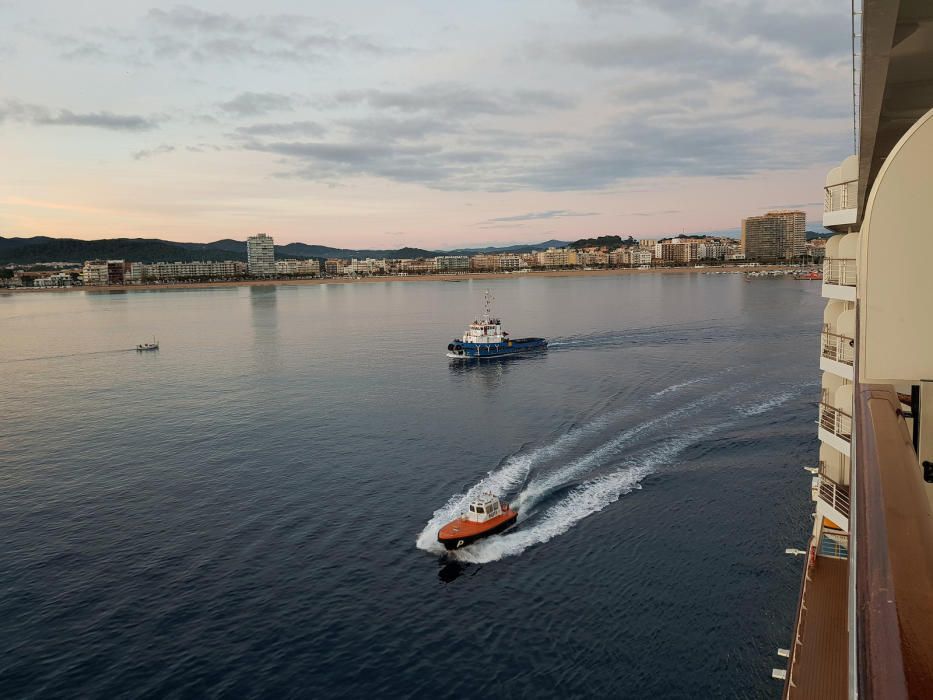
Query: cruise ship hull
{"type": "Point", "coordinates": [461, 350]}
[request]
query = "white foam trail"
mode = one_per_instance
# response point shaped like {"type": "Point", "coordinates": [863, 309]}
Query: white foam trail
{"type": "Point", "coordinates": [517, 468]}
{"type": "Point", "coordinates": [678, 387]}
{"type": "Point", "coordinates": [539, 488]}
{"type": "Point", "coordinates": [506, 478]}
{"type": "Point", "coordinates": [587, 498]}
{"type": "Point", "coordinates": [775, 401]}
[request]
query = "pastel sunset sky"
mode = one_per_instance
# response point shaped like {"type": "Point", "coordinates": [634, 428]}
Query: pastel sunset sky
{"type": "Point", "coordinates": [366, 123]}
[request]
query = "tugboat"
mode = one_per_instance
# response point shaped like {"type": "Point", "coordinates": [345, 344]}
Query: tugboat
{"type": "Point", "coordinates": [142, 347]}
{"type": "Point", "coordinates": [487, 516]}
{"type": "Point", "coordinates": [485, 338]}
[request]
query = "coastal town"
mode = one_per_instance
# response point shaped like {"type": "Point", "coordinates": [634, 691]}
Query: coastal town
{"type": "Point", "coordinates": [776, 237]}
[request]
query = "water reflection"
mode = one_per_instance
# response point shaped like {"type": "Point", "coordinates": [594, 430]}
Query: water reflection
{"type": "Point", "coordinates": [264, 316]}
{"type": "Point", "coordinates": [492, 369]}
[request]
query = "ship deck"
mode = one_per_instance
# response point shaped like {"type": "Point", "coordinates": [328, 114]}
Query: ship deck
{"type": "Point", "coordinates": [820, 663]}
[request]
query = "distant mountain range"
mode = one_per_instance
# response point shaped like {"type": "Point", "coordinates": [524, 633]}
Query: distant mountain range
{"type": "Point", "coordinates": [40, 249]}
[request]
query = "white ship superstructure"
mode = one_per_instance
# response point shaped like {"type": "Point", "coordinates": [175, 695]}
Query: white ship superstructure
{"type": "Point", "coordinates": [864, 623]}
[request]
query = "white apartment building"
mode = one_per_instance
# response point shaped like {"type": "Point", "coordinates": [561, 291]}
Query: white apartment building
{"type": "Point", "coordinates": [260, 255]}
{"type": "Point", "coordinates": [369, 266]}
{"type": "Point", "coordinates": [57, 279]}
{"type": "Point", "coordinates": [636, 257]}
{"type": "Point", "coordinates": [162, 271]}
{"type": "Point", "coordinates": [452, 263]}
{"type": "Point", "coordinates": [557, 257]}
{"type": "Point", "coordinates": [591, 258]}
{"type": "Point", "coordinates": [95, 273]}
{"type": "Point", "coordinates": [291, 266]}
{"type": "Point", "coordinates": [712, 250]}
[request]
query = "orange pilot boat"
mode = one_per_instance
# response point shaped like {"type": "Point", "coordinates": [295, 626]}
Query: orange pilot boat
{"type": "Point", "coordinates": [486, 517]}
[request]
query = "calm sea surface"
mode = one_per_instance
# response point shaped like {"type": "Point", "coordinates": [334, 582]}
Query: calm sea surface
{"type": "Point", "coordinates": [250, 511]}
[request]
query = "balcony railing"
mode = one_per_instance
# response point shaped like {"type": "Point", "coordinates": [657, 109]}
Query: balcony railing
{"type": "Point", "coordinates": [836, 421]}
{"type": "Point", "coordinates": [834, 495]}
{"type": "Point", "coordinates": [839, 271]}
{"type": "Point", "coordinates": [837, 347]}
{"type": "Point", "coordinates": [841, 196]}
{"type": "Point", "coordinates": [834, 544]}
{"type": "Point", "coordinates": [894, 566]}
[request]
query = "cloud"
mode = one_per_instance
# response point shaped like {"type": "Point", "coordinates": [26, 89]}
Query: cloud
{"type": "Point", "coordinates": [430, 164]}
{"type": "Point", "coordinates": [807, 28]}
{"type": "Point", "coordinates": [188, 33]}
{"type": "Point", "coordinates": [158, 150]}
{"type": "Point", "coordinates": [662, 212]}
{"type": "Point", "coordinates": [538, 215]}
{"type": "Point", "coordinates": [299, 128]}
{"type": "Point", "coordinates": [43, 116]}
{"type": "Point", "coordinates": [631, 145]}
{"type": "Point", "coordinates": [86, 50]}
{"type": "Point", "coordinates": [415, 128]}
{"type": "Point", "coordinates": [456, 100]}
{"type": "Point", "coordinates": [251, 104]}
{"type": "Point", "coordinates": [678, 54]}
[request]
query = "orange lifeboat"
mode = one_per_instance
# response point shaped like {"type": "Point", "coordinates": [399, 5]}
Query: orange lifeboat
{"type": "Point", "coordinates": [486, 516]}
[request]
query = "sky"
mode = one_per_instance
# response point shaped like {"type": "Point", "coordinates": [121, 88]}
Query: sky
{"type": "Point", "coordinates": [422, 123]}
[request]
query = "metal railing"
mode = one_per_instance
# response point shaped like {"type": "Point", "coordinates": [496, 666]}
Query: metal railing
{"type": "Point", "coordinates": [839, 271]}
{"type": "Point", "coordinates": [837, 347]}
{"type": "Point", "coordinates": [836, 421]}
{"type": "Point", "coordinates": [798, 619]}
{"type": "Point", "coordinates": [894, 563]}
{"type": "Point", "coordinates": [833, 544]}
{"type": "Point", "coordinates": [834, 495]}
{"type": "Point", "coordinates": [843, 195]}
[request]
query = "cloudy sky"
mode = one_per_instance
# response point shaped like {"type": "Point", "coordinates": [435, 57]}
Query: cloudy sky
{"type": "Point", "coordinates": [419, 122]}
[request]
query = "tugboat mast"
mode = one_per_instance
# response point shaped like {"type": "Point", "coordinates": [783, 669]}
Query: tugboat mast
{"type": "Point", "coordinates": [487, 315]}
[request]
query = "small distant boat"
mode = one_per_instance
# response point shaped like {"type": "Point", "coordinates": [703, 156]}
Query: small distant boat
{"type": "Point", "coordinates": [142, 347]}
{"type": "Point", "coordinates": [485, 338]}
{"type": "Point", "coordinates": [812, 275]}
{"type": "Point", "coordinates": [486, 517]}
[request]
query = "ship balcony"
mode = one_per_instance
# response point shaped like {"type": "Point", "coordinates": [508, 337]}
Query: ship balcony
{"type": "Point", "coordinates": [835, 497]}
{"type": "Point", "coordinates": [840, 204]}
{"type": "Point", "coordinates": [839, 278]}
{"type": "Point", "coordinates": [840, 268]}
{"type": "Point", "coordinates": [840, 271]}
{"type": "Point", "coordinates": [835, 427]}
{"type": "Point", "coordinates": [837, 353]}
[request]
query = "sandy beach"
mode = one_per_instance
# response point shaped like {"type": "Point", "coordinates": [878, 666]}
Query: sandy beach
{"type": "Point", "coordinates": [405, 278]}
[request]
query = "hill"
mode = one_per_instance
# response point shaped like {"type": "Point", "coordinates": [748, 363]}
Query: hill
{"type": "Point", "coordinates": [602, 241]}
{"type": "Point", "coordinates": [40, 249]}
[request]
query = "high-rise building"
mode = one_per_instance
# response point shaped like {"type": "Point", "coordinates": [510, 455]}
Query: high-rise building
{"type": "Point", "coordinates": [863, 626]}
{"type": "Point", "coordinates": [778, 235]}
{"type": "Point", "coordinates": [260, 254]}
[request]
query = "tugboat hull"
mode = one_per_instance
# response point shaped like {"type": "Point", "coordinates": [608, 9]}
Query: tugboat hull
{"type": "Point", "coordinates": [461, 350]}
{"type": "Point", "coordinates": [462, 533]}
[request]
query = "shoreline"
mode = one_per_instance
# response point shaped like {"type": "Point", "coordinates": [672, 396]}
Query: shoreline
{"type": "Point", "coordinates": [463, 277]}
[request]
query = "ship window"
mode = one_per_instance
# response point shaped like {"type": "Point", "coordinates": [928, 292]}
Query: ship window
{"type": "Point", "coordinates": [479, 509]}
{"type": "Point", "coordinates": [472, 509]}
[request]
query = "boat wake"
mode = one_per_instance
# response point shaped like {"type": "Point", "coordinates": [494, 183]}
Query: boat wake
{"type": "Point", "coordinates": [756, 409]}
{"type": "Point", "coordinates": [550, 500]}
{"type": "Point", "coordinates": [584, 500]}
{"type": "Point", "coordinates": [649, 335]}
{"type": "Point", "coordinates": [514, 472]}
